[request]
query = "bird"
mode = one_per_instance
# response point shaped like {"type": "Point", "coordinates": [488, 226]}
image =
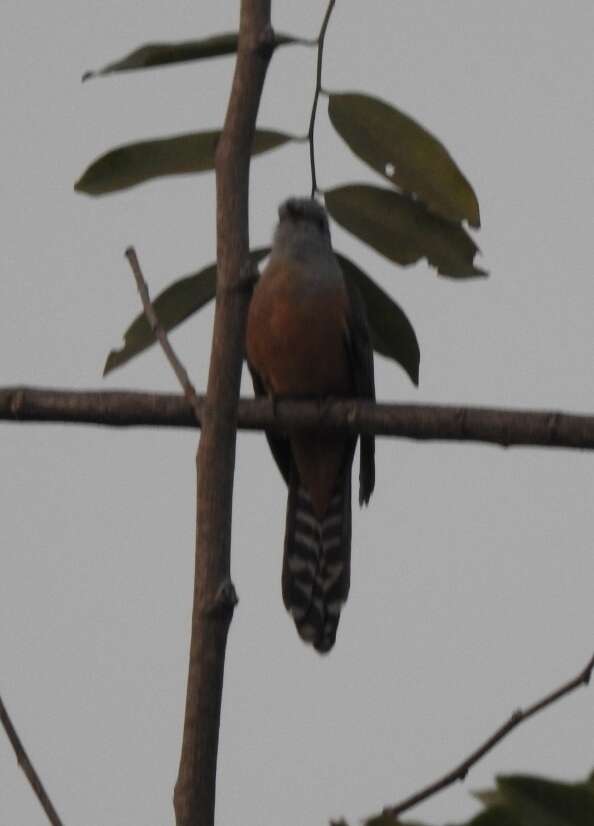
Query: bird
{"type": "Point", "coordinates": [307, 336]}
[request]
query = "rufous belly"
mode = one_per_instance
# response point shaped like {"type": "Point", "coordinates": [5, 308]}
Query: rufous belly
{"type": "Point", "coordinates": [296, 341]}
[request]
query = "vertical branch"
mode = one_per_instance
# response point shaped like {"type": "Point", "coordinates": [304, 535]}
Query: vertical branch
{"type": "Point", "coordinates": [214, 596]}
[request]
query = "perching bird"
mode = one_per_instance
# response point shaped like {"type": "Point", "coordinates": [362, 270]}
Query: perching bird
{"type": "Point", "coordinates": [307, 336]}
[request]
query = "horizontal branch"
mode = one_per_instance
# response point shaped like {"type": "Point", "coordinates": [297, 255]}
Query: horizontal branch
{"type": "Point", "coordinates": [411, 421]}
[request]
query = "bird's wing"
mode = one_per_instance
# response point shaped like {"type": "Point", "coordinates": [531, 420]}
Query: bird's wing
{"type": "Point", "coordinates": [361, 359]}
{"type": "Point", "coordinates": [279, 445]}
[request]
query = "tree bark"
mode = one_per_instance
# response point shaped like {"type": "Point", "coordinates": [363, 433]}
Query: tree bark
{"type": "Point", "coordinates": [214, 596]}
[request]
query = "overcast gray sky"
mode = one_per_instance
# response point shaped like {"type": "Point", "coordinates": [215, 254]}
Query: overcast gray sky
{"type": "Point", "coordinates": [473, 566]}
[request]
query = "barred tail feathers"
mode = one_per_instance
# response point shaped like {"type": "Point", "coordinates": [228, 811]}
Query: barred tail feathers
{"type": "Point", "coordinates": [316, 566]}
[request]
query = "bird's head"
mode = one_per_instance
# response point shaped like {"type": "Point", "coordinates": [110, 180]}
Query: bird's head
{"type": "Point", "coordinates": [302, 221]}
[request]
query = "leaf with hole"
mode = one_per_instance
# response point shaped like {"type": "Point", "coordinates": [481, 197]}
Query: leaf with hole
{"type": "Point", "coordinates": [163, 54]}
{"type": "Point", "coordinates": [392, 334]}
{"type": "Point", "coordinates": [135, 163]}
{"type": "Point", "coordinates": [176, 303]}
{"type": "Point", "coordinates": [403, 229]}
{"type": "Point", "coordinates": [406, 154]}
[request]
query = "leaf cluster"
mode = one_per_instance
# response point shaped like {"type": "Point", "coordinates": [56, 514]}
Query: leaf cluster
{"type": "Point", "coordinates": [420, 214]}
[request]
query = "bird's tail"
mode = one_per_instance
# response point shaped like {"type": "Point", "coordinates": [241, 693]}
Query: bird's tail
{"type": "Point", "coordinates": [317, 562]}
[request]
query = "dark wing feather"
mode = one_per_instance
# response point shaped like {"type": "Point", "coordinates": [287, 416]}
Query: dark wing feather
{"type": "Point", "coordinates": [279, 445]}
{"type": "Point", "coordinates": [361, 357]}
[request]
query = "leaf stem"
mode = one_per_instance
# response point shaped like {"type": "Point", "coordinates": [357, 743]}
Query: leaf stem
{"type": "Point", "coordinates": [318, 89]}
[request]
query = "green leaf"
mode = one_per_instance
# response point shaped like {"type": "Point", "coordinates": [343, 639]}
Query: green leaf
{"type": "Point", "coordinates": [135, 163]}
{"type": "Point", "coordinates": [539, 802]}
{"type": "Point", "coordinates": [403, 229]}
{"type": "Point", "coordinates": [162, 54]}
{"type": "Point", "coordinates": [380, 820]}
{"type": "Point", "coordinates": [489, 797]}
{"type": "Point", "coordinates": [392, 334]}
{"type": "Point", "coordinates": [386, 819]}
{"type": "Point", "coordinates": [176, 303]}
{"type": "Point", "coordinates": [407, 155]}
{"type": "Point", "coordinates": [495, 816]}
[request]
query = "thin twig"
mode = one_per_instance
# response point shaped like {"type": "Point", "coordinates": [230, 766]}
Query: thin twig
{"type": "Point", "coordinates": [160, 334]}
{"type": "Point", "coordinates": [312, 119]}
{"type": "Point", "coordinates": [115, 408]}
{"type": "Point", "coordinates": [27, 767]}
{"type": "Point", "coordinates": [305, 41]}
{"type": "Point", "coordinates": [519, 716]}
